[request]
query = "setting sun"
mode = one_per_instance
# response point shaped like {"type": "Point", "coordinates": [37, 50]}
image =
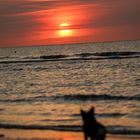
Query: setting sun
{"type": "Point", "coordinates": [64, 30]}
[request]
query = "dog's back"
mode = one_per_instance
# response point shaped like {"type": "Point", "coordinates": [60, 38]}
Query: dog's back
{"type": "Point", "coordinates": [91, 127]}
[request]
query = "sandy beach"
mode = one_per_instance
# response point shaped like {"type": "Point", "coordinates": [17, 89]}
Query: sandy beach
{"type": "Point", "coordinates": [53, 135]}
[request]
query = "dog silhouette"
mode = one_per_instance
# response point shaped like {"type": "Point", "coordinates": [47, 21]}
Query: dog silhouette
{"type": "Point", "coordinates": [91, 128]}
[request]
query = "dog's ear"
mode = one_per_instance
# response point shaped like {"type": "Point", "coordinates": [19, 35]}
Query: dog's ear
{"type": "Point", "coordinates": [82, 112]}
{"type": "Point", "coordinates": [91, 110]}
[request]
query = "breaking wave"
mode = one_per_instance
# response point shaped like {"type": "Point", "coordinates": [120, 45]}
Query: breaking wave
{"type": "Point", "coordinates": [81, 56]}
{"type": "Point", "coordinates": [77, 97]}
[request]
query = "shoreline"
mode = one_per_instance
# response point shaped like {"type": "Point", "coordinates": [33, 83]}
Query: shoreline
{"type": "Point", "coordinates": [14, 134]}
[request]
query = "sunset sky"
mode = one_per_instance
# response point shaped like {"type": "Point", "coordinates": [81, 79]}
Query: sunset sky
{"type": "Point", "coordinates": [44, 22]}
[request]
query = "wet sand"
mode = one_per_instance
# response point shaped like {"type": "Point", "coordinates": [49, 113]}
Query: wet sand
{"type": "Point", "coordinates": [53, 135]}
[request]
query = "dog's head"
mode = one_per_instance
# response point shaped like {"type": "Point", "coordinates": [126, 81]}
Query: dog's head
{"type": "Point", "coordinates": [87, 115]}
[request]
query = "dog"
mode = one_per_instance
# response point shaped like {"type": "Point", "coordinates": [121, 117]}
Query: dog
{"type": "Point", "coordinates": [91, 128]}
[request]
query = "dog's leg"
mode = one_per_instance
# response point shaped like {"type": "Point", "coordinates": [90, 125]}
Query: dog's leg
{"type": "Point", "coordinates": [101, 137]}
{"type": "Point", "coordinates": [85, 136]}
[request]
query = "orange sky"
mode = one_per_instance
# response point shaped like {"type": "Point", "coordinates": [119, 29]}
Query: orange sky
{"type": "Point", "coordinates": [44, 22]}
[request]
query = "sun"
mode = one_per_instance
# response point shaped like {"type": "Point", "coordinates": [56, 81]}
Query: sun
{"type": "Point", "coordinates": [65, 30]}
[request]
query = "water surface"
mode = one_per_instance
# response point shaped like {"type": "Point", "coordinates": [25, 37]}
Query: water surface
{"type": "Point", "coordinates": [45, 87]}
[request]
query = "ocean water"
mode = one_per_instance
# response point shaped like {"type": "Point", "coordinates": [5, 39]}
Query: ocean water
{"type": "Point", "coordinates": [45, 87]}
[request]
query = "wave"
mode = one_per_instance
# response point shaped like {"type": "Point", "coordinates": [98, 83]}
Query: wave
{"type": "Point", "coordinates": [41, 127]}
{"type": "Point", "coordinates": [115, 54]}
{"type": "Point", "coordinates": [53, 56]}
{"type": "Point", "coordinates": [77, 97]}
{"type": "Point", "coordinates": [97, 97]}
{"type": "Point", "coordinates": [74, 57]}
{"type": "Point", "coordinates": [123, 130]}
{"type": "Point", "coordinates": [108, 115]}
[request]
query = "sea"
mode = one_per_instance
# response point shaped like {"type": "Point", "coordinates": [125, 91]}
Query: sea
{"type": "Point", "coordinates": [46, 87]}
